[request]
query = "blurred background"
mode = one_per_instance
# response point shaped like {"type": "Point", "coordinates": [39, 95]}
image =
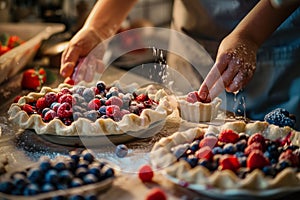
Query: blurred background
{"type": "Point", "coordinates": [73, 13]}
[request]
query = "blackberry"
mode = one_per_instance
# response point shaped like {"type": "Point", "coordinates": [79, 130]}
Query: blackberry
{"type": "Point", "coordinates": [280, 117]}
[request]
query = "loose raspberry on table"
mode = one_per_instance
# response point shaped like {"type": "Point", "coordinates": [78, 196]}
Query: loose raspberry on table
{"type": "Point", "coordinates": [156, 194]}
{"type": "Point", "coordinates": [145, 173]}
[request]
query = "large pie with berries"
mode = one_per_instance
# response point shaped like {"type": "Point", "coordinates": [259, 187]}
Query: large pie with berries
{"type": "Point", "coordinates": [236, 155]}
{"type": "Point", "coordinates": [97, 110]}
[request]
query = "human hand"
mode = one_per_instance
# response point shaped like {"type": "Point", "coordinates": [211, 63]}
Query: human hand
{"type": "Point", "coordinates": [234, 67]}
{"type": "Point", "coordinates": [79, 46]}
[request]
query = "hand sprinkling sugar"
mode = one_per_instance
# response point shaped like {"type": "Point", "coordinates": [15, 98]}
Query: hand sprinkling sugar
{"type": "Point", "coordinates": [233, 69]}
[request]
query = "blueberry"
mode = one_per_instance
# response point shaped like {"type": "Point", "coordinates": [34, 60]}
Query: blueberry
{"type": "Point", "coordinates": [243, 136]}
{"type": "Point", "coordinates": [6, 186]}
{"type": "Point", "coordinates": [121, 150]}
{"type": "Point", "coordinates": [91, 197]}
{"type": "Point", "coordinates": [51, 176]}
{"type": "Point", "coordinates": [229, 148]}
{"type": "Point", "coordinates": [89, 178]}
{"type": "Point", "coordinates": [101, 86]}
{"type": "Point", "coordinates": [35, 175]}
{"type": "Point", "coordinates": [88, 156]}
{"type": "Point", "coordinates": [45, 110]}
{"type": "Point", "coordinates": [19, 180]}
{"type": "Point", "coordinates": [281, 165]}
{"type": "Point", "coordinates": [81, 172]}
{"type": "Point", "coordinates": [65, 176]}
{"type": "Point", "coordinates": [269, 171]}
{"type": "Point", "coordinates": [91, 115]}
{"type": "Point", "coordinates": [239, 154]}
{"type": "Point", "coordinates": [203, 162]}
{"type": "Point", "coordinates": [76, 182]}
{"type": "Point", "coordinates": [48, 187]}
{"type": "Point", "coordinates": [109, 172]}
{"type": "Point", "coordinates": [195, 145]}
{"type": "Point", "coordinates": [45, 165]}
{"type": "Point", "coordinates": [193, 161]}
{"type": "Point", "coordinates": [77, 115]}
{"type": "Point", "coordinates": [83, 163]}
{"type": "Point", "coordinates": [241, 145]}
{"type": "Point", "coordinates": [60, 166]}
{"type": "Point", "coordinates": [75, 156]}
{"type": "Point", "coordinates": [217, 150]}
{"type": "Point", "coordinates": [95, 171]}
{"type": "Point", "coordinates": [76, 197]}
{"type": "Point", "coordinates": [102, 110]}
{"type": "Point", "coordinates": [31, 189]}
{"type": "Point", "coordinates": [79, 90]}
{"type": "Point", "coordinates": [59, 197]}
{"type": "Point", "coordinates": [243, 161]}
{"type": "Point", "coordinates": [88, 94]}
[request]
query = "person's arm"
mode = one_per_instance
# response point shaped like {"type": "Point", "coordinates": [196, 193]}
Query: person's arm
{"type": "Point", "coordinates": [103, 22]}
{"type": "Point", "coordinates": [236, 58]}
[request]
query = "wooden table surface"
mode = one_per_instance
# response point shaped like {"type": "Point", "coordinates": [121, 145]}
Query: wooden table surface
{"type": "Point", "coordinates": [23, 148]}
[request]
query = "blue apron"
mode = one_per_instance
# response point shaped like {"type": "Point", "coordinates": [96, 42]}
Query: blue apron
{"type": "Point", "coordinates": [276, 82]}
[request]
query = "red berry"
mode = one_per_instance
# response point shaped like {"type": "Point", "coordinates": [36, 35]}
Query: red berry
{"type": "Point", "coordinates": [33, 79]}
{"type": "Point", "coordinates": [64, 110]}
{"type": "Point", "coordinates": [229, 162]}
{"type": "Point", "coordinates": [112, 110]}
{"type": "Point", "coordinates": [228, 136]}
{"type": "Point", "coordinates": [41, 103]}
{"type": "Point", "coordinates": [66, 98]}
{"type": "Point", "coordinates": [156, 194]}
{"type": "Point", "coordinates": [51, 114]}
{"type": "Point", "coordinates": [290, 156]}
{"type": "Point", "coordinates": [28, 109]}
{"type": "Point", "coordinates": [193, 97]}
{"type": "Point", "coordinates": [116, 101]}
{"type": "Point", "coordinates": [94, 104]}
{"type": "Point", "coordinates": [141, 98]}
{"type": "Point", "coordinates": [252, 147]}
{"type": "Point", "coordinates": [17, 99]}
{"type": "Point", "coordinates": [204, 152]}
{"type": "Point", "coordinates": [50, 97]}
{"type": "Point", "coordinates": [146, 173]}
{"type": "Point", "coordinates": [256, 160]}
{"type": "Point", "coordinates": [257, 137]}
{"type": "Point", "coordinates": [209, 141]}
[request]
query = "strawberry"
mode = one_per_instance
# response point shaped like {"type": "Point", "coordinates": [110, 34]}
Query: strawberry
{"type": "Point", "coordinates": [209, 141]}
{"type": "Point", "coordinates": [290, 156]}
{"type": "Point", "coordinates": [193, 97]}
{"type": "Point", "coordinates": [228, 136]}
{"type": "Point", "coordinates": [257, 137]}
{"type": "Point", "coordinates": [204, 152]}
{"type": "Point", "coordinates": [4, 49]}
{"type": "Point", "coordinates": [33, 78]}
{"type": "Point", "coordinates": [156, 194]}
{"type": "Point", "coordinates": [229, 162]}
{"type": "Point", "coordinates": [252, 147]}
{"type": "Point", "coordinates": [146, 173]}
{"type": "Point", "coordinates": [256, 160]}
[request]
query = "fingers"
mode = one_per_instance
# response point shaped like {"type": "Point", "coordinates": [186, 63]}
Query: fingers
{"type": "Point", "coordinates": [68, 61]}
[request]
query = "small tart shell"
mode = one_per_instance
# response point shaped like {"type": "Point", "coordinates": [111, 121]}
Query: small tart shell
{"type": "Point", "coordinates": [129, 123]}
{"type": "Point", "coordinates": [198, 111]}
{"type": "Point", "coordinates": [162, 158]}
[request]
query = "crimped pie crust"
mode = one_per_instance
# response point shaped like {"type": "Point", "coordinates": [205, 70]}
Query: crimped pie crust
{"type": "Point", "coordinates": [162, 158]}
{"type": "Point", "coordinates": [198, 111]}
{"type": "Point", "coordinates": [129, 123]}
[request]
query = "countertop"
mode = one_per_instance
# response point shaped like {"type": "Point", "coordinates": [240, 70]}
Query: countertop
{"type": "Point", "coordinates": [21, 148]}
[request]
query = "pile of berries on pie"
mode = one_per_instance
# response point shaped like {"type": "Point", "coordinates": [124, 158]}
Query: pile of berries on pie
{"type": "Point", "coordinates": [91, 103]}
{"type": "Point", "coordinates": [240, 153]}
{"type": "Point", "coordinates": [79, 168]}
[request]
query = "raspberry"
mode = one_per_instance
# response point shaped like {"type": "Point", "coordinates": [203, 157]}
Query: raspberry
{"type": "Point", "coordinates": [112, 110]}
{"type": "Point", "coordinates": [94, 104]}
{"type": "Point", "coordinates": [66, 98]}
{"type": "Point", "coordinates": [290, 156]}
{"type": "Point", "coordinates": [141, 98]}
{"type": "Point", "coordinates": [41, 103]}
{"type": "Point", "coordinates": [204, 152]}
{"type": "Point", "coordinates": [252, 147]}
{"type": "Point", "coordinates": [50, 97]}
{"type": "Point", "coordinates": [116, 101]}
{"type": "Point", "coordinates": [28, 109]}
{"type": "Point", "coordinates": [210, 141]}
{"type": "Point", "coordinates": [51, 114]}
{"type": "Point", "coordinates": [64, 110]}
{"type": "Point", "coordinates": [146, 173]}
{"type": "Point", "coordinates": [228, 136]}
{"type": "Point", "coordinates": [156, 194]}
{"type": "Point", "coordinates": [229, 162]}
{"type": "Point", "coordinates": [17, 99]}
{"type": "Point", "coordinates": [257, 137]}
{"type": "Point", "coordinates": [280, 117]}
{"type": "Point", "coordinates": [256, 159]}
{"type": "Point", "coordinates": [193, 97]}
